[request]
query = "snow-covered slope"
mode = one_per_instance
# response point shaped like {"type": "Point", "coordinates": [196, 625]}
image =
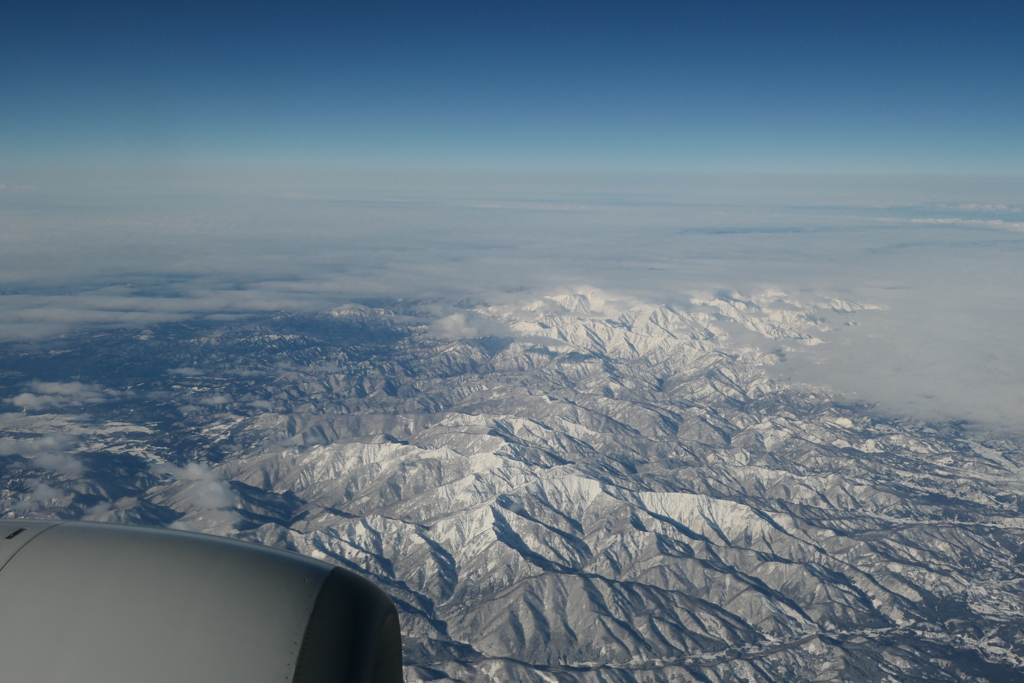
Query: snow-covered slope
{"type": "Point", "coordinates": [599, 489]}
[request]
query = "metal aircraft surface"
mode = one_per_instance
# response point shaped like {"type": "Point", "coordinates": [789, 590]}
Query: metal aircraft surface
{"type": "Point", "coordinates": [85, 602]}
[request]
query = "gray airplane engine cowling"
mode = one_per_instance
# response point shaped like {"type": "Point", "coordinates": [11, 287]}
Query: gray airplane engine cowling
{"type": "Point", "coordinates": [83, 602]}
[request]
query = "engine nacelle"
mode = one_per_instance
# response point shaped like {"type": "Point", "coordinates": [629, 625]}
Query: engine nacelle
{"type": "Point", "coordinates": [84, 602]}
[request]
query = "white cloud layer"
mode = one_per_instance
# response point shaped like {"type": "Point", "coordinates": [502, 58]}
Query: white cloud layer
{"type": "Point", "coordinates": [39, 496]}
{"type": "Point", "coordinates": [467, 326]}
{"type": "Point", "coordinates": [207, 489]}
{"type": "Point", "coordinates": [47, 452]}
{"type": "Point", "coordinates": [940, 258]}
{"type": "Point", "coordinates": [44, 395]}
{"type": "Point", "coordinates": [43, 444]}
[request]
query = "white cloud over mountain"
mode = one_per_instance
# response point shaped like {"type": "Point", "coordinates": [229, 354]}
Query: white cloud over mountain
{"type": "Point", "coordinates": [945, 284]}
{"type": "Point", "coordinates": [44, 395]}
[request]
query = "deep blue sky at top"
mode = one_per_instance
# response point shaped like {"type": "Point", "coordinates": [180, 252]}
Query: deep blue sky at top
{"type": "Point", "coordinates": [871, 87]}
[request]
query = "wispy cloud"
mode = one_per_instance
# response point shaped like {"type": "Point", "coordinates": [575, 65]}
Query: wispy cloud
{"type": "Point", "coordinates": [992, 224]}
{"type": "Point", "coordinates": [62, 463]}
{"type": "Point", "coordinates": [186, 372]}
{"type": "Point", "coordinates": [206, 488]}
{"type": "Point", "coordinates": [468, 326]}
{"type": "Point", "coordinates": [216, 400]}
{"type": "Point", "coordinates": [207, 497]}
{"type": "Point", "coordinates": [47, 452]}
{"type": "Point", "coordinates": [44, 444]}
{"type": "Point", "coordinates": [40, 495]}
{"type": "Point", "coordinates": [985, 208]}
{"type": "Point", "coordinates": [45, 395]}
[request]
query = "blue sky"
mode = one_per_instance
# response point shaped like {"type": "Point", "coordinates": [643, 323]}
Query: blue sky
{"type": "Point", "coordinates": [896, 87]}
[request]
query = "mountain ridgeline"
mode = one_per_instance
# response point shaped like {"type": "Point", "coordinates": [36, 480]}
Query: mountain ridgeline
{"type": "Point", "coordinates": [575, 488]}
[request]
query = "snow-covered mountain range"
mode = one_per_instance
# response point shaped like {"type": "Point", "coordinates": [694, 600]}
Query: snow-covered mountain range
{"type": "Point", "coordinates": [575, 487]}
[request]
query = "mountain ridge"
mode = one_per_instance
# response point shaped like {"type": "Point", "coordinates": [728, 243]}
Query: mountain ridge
{"type": "Point", "coordinates": [579, 487]}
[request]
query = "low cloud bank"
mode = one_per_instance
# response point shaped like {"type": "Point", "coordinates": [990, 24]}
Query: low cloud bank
{"type": "Point", "coordinates": [467, 326]}
{"type": "Point", "coordinates": [47, 452]}
{"type": "Point", "coordinates": [43, 444]}
{"type": "Point", "coordinates": [43, 395]}
{"type": "Point", "coordinates": [939, 258]}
